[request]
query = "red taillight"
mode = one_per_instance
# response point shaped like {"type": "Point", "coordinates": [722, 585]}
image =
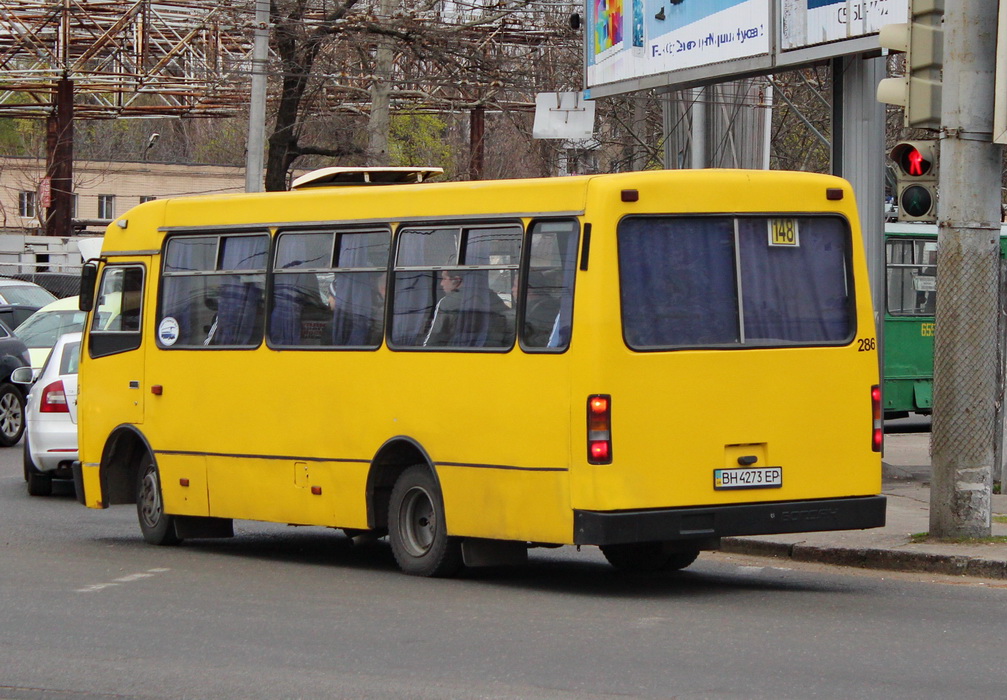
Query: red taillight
{"type": "Point", "coordinates": [878, 425]}
{"type": "Point", "coordinates": [599, 429]}
{"type": "Point", "coordinates": [54, 399]}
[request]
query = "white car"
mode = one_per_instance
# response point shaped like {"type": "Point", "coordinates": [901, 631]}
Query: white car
{"type": "Point", "coordinates": [50, 438]}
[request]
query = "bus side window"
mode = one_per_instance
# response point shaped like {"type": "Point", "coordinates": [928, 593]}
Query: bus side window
{"type": "Point", "coordinates": [547, 302]}
{"type": "Point", "coordinates": [298, 313]}
{"type": "Point", "coordinates": [120, 297]}
{"type": "Point", "coordinates": [212, 291]}
{"type": "Point", "coordinates": [453, 287]}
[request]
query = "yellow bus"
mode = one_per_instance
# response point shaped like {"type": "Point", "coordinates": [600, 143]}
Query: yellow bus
{"type": "Point", "coordinates": [635, 361]}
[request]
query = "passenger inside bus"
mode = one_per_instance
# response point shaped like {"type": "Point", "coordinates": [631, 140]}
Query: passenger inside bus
{"type": "Point", "coordinates": [469, 314]}
{"type": "Point", "coordinates": [541, 308]}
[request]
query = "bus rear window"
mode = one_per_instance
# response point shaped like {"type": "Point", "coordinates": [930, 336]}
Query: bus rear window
{"type": "Point", "coordinates": [734, 281]}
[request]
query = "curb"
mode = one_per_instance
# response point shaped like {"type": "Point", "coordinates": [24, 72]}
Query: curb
{"type": "Point", "coordinates": [868, 558]}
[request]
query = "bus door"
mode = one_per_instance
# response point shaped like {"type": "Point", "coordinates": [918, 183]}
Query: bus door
{"type": "Point", "coordinates": [114, 339]}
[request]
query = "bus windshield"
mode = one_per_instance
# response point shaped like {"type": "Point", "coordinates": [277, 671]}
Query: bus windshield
{"type": "Point", "coordinates": [912, 276]}
{"type": "Point", "coordinates": [744, 281]}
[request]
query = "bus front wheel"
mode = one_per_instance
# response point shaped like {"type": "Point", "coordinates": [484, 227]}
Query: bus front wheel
{"type": "Point", "coordinates": [647, 557]}
{"type": "Point", "coordinates": [417, 529]}
{"type": "Point", "coordinates": [157, 526]}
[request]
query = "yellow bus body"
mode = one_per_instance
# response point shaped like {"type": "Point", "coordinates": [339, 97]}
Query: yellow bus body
{"type": "Point", "coordinates": [296, 436]}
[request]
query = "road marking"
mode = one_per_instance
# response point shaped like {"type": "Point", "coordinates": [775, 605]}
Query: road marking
{"type": "Point", "coordinates": [149, 573]}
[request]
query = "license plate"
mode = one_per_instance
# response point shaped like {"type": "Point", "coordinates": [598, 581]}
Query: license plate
{"type": "Point", "coordinates": [748, 478]}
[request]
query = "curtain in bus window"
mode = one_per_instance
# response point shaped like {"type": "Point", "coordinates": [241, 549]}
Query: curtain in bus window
{"type": "Point", "coordinates": [239, 308]}
{"type": "Point", "coordinates": [183, 298]}
{"type": "Point", "coordinates": [415, 292]}
{"type": "Point", "coordinates": [358, 297]}
{"type": "Point", "coordinates": [294, 293]}
{"type": "Point", "coordinates": [678, 281]}
{"type": "Point", "coordinates": [413, 305]}
{"type": "Point", "coordinates": [795, 293]}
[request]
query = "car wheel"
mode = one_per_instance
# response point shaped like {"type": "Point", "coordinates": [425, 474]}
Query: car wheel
{"type": "Point", "coordinates": [647, 557]}
{"type": "Point", "coordinates": [39, 483]}
{"type": "Point", "coordinates": [11, 415]}
{"type": "Point", "coordinates": [417, 528]}
{"type": "Point", "coordinates": [157, 526]}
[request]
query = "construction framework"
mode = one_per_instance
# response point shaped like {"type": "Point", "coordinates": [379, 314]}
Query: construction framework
{"type": "Point", "coordinates": [62, 60]}
{"type": "Point", "coordinates": [124, 58]}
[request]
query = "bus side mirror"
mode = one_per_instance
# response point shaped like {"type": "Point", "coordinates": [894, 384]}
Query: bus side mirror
{"type": "Point", "coordinates": [88, 280]}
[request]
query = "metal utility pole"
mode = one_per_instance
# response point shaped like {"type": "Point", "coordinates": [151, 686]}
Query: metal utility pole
{"type": "Point", "coordinates": [59, 161]}
{"type": "Point", "coordinates": [965, 339]}
{"type": "Point", "coordinates": [255, 155]}
{"type": "Point", "coordinates": [477, 142]}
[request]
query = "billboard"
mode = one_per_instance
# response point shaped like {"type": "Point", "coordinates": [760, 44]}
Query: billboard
{"type": "Point", "coordinates": [633, 38]}
{"type": "Point", "coordinates": [810, 22]}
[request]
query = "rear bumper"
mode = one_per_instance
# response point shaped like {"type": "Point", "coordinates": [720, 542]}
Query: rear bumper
{"type": "Point", "coordinates": [855, 513]}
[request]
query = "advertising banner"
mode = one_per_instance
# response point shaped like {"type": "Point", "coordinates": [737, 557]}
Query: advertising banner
{"type": "Point", "coordinates": [634, 38]}
{"type": "Point", "coordinates": [810, 22]}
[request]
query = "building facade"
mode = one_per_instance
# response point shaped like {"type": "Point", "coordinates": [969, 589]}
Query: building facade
{"type": "Point", "coordinates": [102, 191]}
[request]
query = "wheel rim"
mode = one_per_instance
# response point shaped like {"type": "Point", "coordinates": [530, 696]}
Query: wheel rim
{"type": "Point", "coordinates": [419, 521]}
{"type": "Point", "coordinates": [10, 414]}
{"type": "Point", "coordinates": [150, 499]}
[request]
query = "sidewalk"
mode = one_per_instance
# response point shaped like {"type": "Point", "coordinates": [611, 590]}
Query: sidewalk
{"type": "Point", "coordinates": [906, 483]}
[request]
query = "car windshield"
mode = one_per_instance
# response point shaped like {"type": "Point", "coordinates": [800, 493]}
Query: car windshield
{"type": "Point", "coordinates": [42, 330]}
{"type": "Point", "coordinates": [26, 295]}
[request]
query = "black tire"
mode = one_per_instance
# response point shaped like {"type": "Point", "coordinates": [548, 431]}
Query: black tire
{"type": "Point", "coordinates": [11, 415]}
{"type": "Point", "coordinates": [39, 483]}
{"type": "Point", "coordinates": [647, 557]}
{"type": "Point", "coordinates": [27, 461]}
{"type": "Point", "coordinates": [157, 526]}
{"type": "Point", "coordinates": [417, 527]}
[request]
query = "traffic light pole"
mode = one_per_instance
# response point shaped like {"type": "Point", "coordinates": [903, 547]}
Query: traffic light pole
{"type": "Point", "coordinates": [966, 342]}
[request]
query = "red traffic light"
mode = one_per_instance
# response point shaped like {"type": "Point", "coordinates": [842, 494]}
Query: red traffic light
{"type": "Point", "coordinates": [914, 158]}
{"type": "Point", "coordinates": [917, 164]}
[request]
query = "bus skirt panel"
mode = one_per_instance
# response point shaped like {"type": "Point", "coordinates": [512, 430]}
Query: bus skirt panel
{"type": "Point", "coordinates": [653, 525]}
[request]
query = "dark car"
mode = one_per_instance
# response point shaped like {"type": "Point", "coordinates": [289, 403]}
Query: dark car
{"type": "Point", "coordinates": [13, 354]}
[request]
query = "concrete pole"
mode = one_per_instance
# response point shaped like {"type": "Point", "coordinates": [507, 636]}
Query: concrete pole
{"type": "Point", "coordinates": [965, 338]}
{"type": "Point", "coordinates": [698, 149]}
{"type": "Point", "coordinates": [255, 153]}
{"type": "Point", "coordinates": [379, 123]}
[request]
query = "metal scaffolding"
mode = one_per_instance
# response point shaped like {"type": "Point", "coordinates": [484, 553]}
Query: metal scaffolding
{"type": "Point", "coordinates": [124, 58]}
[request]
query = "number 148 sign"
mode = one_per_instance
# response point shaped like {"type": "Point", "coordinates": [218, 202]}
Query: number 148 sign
{"type": "Point", "coordinates": [783, 232]}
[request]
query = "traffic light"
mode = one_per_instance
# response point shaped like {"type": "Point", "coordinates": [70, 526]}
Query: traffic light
{"type": "Point", "coordinates": [922, 40]}
{"type": "Point", "coordinates": [916, 170]}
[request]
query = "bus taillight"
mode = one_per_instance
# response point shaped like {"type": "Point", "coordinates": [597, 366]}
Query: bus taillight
{"type": "Point", "coordinates": [54, 399]}
{"type": "Point", "coordinates": [599, 429]}
{"type": "Point", "coordinates": [878, 432]}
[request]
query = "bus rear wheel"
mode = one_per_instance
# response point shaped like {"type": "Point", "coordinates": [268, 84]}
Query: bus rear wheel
{"type": "Point", "coordinates": [157, 526]}
{"type": "Point", "coordinates": [647, 557]}
{"type": "Point", "coordinates": [417, 526]}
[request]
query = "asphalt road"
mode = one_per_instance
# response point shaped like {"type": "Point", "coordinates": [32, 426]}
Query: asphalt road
{"type": "Point", "coordinates": [89, 612]}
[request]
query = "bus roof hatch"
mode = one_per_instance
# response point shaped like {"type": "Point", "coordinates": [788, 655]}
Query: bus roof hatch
{"type": "Point", "coordinates": [339, 176]}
